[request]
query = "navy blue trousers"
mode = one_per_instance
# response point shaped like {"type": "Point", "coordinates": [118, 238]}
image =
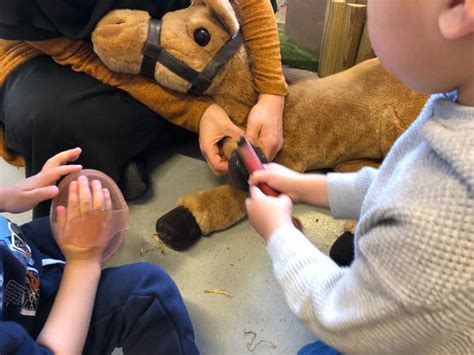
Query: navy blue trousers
{"type": "Point", "coordinates": [137, 307]}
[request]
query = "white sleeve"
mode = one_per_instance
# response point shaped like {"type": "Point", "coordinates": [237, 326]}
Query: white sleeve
{"type": "Point", "coordinates": [347, 308]}
{"type": "Point", "coordinates": [346, 192]}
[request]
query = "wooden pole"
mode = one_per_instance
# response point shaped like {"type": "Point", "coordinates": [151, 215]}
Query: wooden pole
{"type": "Point", "coordinates": [353, 26]}
{"type": "Point", "coordinates": [330, 44]}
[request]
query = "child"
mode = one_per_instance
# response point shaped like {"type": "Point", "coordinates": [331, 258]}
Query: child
{"type": "Point", "coordinates": [410, 288]}
{"type": "Point", "coordinates": [70, 306]}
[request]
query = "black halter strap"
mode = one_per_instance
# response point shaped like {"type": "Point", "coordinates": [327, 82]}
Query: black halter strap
{"type": "Point", "coordinates": [153, 53]}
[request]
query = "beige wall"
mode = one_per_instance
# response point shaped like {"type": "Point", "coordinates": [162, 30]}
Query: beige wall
{"type": "Point", "coordinates": [305, 22]}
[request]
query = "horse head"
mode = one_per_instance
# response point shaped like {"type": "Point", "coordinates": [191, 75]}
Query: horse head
{"type": "Point", "coordinates": [188, 50]}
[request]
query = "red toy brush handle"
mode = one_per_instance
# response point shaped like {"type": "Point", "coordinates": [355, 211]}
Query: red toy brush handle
{"type": "Point", "coordinates": [252, 163]}
{"type": "Point", "coordinates": [267, 190]}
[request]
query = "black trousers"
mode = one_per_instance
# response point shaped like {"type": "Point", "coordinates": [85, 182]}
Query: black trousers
{"type": "Point", "coordinates": [48, 108]}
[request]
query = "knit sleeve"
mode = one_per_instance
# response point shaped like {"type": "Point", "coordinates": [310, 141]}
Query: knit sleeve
{"type": "Point", "coordinates": [346, 192]}
{"type": "Point", "coordinates": [261, 36]}
{"type": "Point", "coordinates": [352, 309]}
{"type": "Point", "coordinates": [181, 109]}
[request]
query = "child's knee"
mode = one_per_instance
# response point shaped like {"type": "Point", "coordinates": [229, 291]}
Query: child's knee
{"type": "Point", "coordinates": [151, 273]}
{"type": "Point", "coordinates": [138, 288]}
{"type": "Point", "coordinates": [151, 280]}
{"type": "Point", "coordinates": [156, 285]}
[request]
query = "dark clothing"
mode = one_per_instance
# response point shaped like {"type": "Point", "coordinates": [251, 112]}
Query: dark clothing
{"type": "Point", "coordinates": [342, 251]}
{"type": "Point", "coordinates": [317, 348]}
{"type": "Point", "coordinates": [48, 108]}
{"type": "Point", "coordinates": [137, 306]}
{"type": "Point", "coordinates": [75, 19]}
{"type": "Point", "coordinates": [21, 268]}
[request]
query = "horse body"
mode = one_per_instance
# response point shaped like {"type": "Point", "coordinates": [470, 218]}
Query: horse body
{"type": "Point", "coordinates": [342, 122]}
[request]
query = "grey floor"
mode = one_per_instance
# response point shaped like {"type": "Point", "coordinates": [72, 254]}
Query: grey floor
{"type": "Point", "coordinates": [234, 260]}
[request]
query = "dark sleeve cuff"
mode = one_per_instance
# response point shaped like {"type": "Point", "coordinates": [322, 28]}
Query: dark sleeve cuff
{"type": "Point", "coordinates": [14, 339]}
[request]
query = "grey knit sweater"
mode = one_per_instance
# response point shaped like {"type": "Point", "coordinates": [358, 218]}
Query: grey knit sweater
{"type": "Point", "coordinates": [410, 289]}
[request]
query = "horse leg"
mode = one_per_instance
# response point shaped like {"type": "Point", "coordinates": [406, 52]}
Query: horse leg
{"type": "Point", "coordinates": [201, 213]}
{"type": "Point", "coordinates": [355, 165]}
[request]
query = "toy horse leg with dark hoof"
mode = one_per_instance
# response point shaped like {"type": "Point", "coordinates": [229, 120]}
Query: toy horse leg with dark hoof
{"type": "Point", "coordinates": [178, 229]}
{"type": "Point", "coordinates": [201, 214]}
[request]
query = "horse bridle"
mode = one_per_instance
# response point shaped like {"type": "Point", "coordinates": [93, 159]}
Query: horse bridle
{"type": "Point", "coordinates": [153, 53]}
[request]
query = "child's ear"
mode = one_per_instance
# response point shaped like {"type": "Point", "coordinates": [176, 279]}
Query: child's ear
{"type": "Point", "coordinates": [457, 21]}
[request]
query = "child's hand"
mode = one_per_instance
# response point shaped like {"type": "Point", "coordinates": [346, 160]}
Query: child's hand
{"type": "Point", "coordinates": [266, 214]}
{"type": "Point", "coordinates": [215, 125]}
{"type": "Point", "coordinates": [26, 194]}
{"type": "Point", "coordinates": [279, 178]}
{"type": "Point", "coordinates": [84, 227]}
{"type": "Point", "coordinates": [265, 124]}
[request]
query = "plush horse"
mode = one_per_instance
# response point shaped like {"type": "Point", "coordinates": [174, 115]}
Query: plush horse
{"type": "Point", "coordinates": [341, 122]}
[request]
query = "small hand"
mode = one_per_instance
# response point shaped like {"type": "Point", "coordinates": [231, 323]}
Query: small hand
{"type": "Point", "coordinates": [267, 214]}
{"type": "Point", "coordinates": [215, 125]}
{"type": "Point", "coordinates": [264, 125]}
{"type": "Point", "coordinates": [26, 194]}
{"type": "Point", "coordinates": [84, 227]}
{"type": "Point", "coordinates": [280, 178]}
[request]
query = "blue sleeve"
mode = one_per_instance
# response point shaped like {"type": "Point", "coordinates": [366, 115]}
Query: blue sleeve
{"type": "Point", "coordinates": [14, 339]}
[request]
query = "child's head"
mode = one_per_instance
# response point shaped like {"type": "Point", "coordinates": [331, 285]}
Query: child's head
{"type": "Point", "coordinates": [428, 44]}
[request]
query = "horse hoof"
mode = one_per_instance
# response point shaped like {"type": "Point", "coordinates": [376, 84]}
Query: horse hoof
{"type": "Point", "coordinates": [237, 173]}
{"type": "Point", "coordinates": [178, 229]}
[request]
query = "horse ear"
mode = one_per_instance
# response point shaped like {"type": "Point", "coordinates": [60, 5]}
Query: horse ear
{"type": "Point", "coordinates": [226, 14]}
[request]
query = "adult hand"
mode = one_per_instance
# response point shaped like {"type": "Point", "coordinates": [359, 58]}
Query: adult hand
{"type": "Point", "coordinates": [264, 125]}
{"type": "Point", "coordinates": [84, 227]}
{"type": "Point", "coordinates": [279, 178]}
{"type": "Point", "coordinates": [215, 125]}
{"type": "Point", "coordinates": [26, 194]}
{"type": "Point", "coordinates": [267, 214]}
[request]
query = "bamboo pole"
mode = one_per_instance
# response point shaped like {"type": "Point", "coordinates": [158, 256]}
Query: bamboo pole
{"type": "Point", "coordinates": [353, 26]}
{"type": "Point", "coordinates": [330, 44]}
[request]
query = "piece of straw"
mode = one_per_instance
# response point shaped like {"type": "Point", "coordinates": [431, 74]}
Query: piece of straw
{"type": "Point", "coordinates": [219, 291]}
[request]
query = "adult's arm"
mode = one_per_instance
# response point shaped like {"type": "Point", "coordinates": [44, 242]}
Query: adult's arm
{"type": "Point", "coordinates": [261, 36]}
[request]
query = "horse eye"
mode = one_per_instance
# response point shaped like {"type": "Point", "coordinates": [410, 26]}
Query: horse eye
{"type": "Point", "coordinates": [202, 37]}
